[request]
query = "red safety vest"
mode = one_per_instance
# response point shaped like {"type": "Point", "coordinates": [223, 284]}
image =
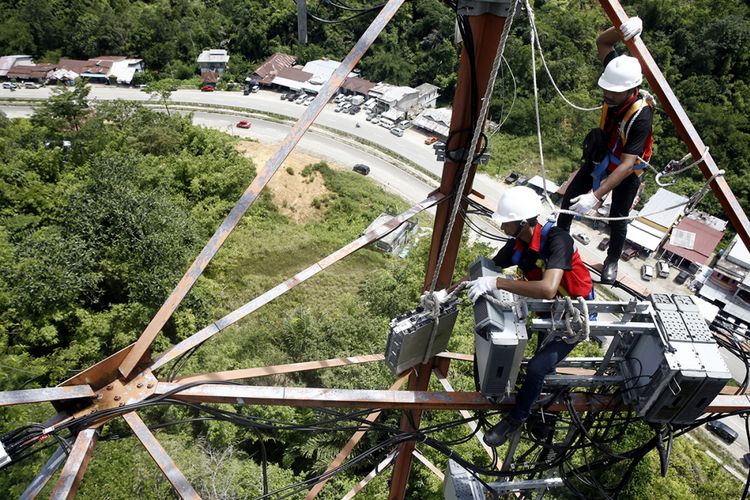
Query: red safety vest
{"type": "Point", "coordinates": [616, 126]}
{"type": "Point", "coordinates": [574, 283]}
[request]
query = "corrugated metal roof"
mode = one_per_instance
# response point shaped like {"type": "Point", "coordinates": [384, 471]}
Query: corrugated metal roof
{"type": "Point", "coordinates": [738, 253]}
{"type": "Point", "coordinates": [270, 68]}
{"type": "Point", "coordinates": [213, 56]}
{"type": "Point", "coordinates": [706, 239]}
{"type": "Point", "coordinates": [294, 74]}
{"type": "Point", "coordinates": [644, 236]}
{"type": "Point", "coordinates": [358, 85]}
{"type": "Point", "coordinates": [658, 205]}
{"type": "Point", "coordinates": [537, 182]}
{"type": "Point", "coordinates": [37, 71]}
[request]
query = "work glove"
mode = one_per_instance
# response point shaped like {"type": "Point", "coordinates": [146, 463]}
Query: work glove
{"type": "Point", "coordinates": [631, 28]}
{"type": "Point", "coordinates": [584, 203]}
{"type": "Point", "coordinates": [482, 285]}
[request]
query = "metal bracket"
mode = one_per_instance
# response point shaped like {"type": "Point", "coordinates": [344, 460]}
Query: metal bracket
{"type": "Point", "coordinates": [499, 8]}
{"type": "Point", "coordinates": [118, 393]}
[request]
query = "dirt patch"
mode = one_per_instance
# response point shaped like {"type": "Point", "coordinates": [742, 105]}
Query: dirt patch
{"type": "Point", "coordinates": [292, 193]}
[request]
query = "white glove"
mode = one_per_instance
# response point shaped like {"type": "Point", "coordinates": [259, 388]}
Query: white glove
{"type": "Point", "coordinates": [631, 28]}
{"type": "Point", "coordinates": [584, 203]}
{"type": "Point", "coordinates": [482, 285]}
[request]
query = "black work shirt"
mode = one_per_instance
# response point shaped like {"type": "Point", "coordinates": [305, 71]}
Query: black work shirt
{"type": "Point", "coordinates": [557, 253]}
{"type": "Point", "coordinates": [640, 130]}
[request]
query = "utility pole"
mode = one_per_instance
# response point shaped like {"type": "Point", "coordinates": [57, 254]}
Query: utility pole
{"type": "Point", "coordinates": [302, 22]}
{"type": "Point", "coordinates": [487, 21]}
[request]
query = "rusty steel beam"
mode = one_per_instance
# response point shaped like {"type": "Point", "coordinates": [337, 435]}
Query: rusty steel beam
{"type": "Point", "coordinates": [75, 466]}
{"type": "Point", "coordinates": [27, 396]}
{"type": "Point", "coordinates": [265, 371]}
{"type": "Point", "coordinates": [682, 123]}
{"type": "Point", "coordinates": [487, 31]}
{"type": "Point", "coordinates": [317, 397]}
{"type": "Point", "coordinates": [381, 467]}
{"type": "Point", "coordinates": [260, 181]}
{"type": "Point", "coordinates": [433, 468]}
{"type": "Point", "coordinates": [349, 446]}
{"type": "Point", "coordinates": [231, 318]}
{"type": "Point", "coordinates": [40, 481]}
{"type": "Point", "coordinates": [158, 453]}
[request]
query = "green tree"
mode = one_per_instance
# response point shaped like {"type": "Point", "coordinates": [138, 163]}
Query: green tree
{"type": "Point", "coordinates": [66, 109]}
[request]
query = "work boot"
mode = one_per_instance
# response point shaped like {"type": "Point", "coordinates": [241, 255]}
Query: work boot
{"type": "Point", "coordinates": [501, 431]}
{"type": "Point", "coordinates": [609, 271]}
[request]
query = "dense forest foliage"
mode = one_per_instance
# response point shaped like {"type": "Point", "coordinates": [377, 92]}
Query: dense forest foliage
{"type": "Point", "coordinates": [702, 47]}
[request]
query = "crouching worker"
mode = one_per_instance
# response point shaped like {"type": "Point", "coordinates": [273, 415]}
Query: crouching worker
{"type": "Point", "coordinates": [551, 266]}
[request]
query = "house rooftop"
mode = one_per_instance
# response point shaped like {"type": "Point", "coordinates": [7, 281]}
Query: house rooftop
{"type": "Point", "coordinates": [213, 56]}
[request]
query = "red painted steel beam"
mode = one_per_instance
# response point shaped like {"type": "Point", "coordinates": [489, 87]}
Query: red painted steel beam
{"type": "Point", "coordinates": [27, 396]}
{"type": "Point", "coordinates": [682, 123]}
{"type": "Point", "coordinates": [255, 304]}
{"type": "Point", "coordinates": [486, 32]}
{"type": "Point", "coordinates": [75, 466]}
{"type": "Point", "coordinates": [163, 460]}
{"type": "Point", "coordinates": [317, 397]}
{"type": "Point", "coordinates": [253, 191]}
{"type": "Point", "coordinates": [280, 369]}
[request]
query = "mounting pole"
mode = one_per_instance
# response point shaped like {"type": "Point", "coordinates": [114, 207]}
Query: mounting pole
{"type": "Point", "coordinates": [682, 123]}
{"type": "Point", "coordinates": [487, 30]}
{"type": "Point", "coordinates": [302, 21]}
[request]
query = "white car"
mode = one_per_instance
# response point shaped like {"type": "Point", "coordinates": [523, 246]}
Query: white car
{"type": "Point", "coordinates": [309, 100]}
{"type": "Point", "coordinates": [32, 85]}
{"type": "Point", "coordinates": [375, 120]}
{"type": "Point", "coordinates": [403, 125]}
{"type": "Point", "coordinates": [397, 132]}
{"type": "Point", "coordinates": [300, 99]}
{"type": "Point", "coordinates": [9, 85]}
{"type": "Point", "coordinates": [647, 272]}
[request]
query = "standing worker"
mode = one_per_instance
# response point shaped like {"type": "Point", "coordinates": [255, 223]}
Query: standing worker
{"type": "Point", "coordinates": [546, 256]}
{"type": "Point", "coordinates": [613, 153]}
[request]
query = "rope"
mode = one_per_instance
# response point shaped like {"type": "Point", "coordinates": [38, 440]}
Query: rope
{"type": "Point", "coordinates": [431, 303]}
{"type": "Point", "coordinates": [690, 204]}
{"type": "Point", "coordinates": [576, 321]}
{"type": "Point", "coordinates": [674, 168]}
{"type": "Point", "coordinates": [536, 108]}
{"type": "Point", "coordinates": [512, 103]}
{"type": "Point", "coordinates": [500, 303]}
{"type": "Point", "coordinates": [535, 34]}
{"type": "Point", "coordinates": [474, 140]}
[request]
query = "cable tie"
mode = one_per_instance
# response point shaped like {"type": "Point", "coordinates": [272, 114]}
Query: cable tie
{"type": "Point", "coordinates": [48, 430]}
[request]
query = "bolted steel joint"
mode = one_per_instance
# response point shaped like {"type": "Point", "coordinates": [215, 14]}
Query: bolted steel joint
{"type": "Point", "coordinates": [499, 8]}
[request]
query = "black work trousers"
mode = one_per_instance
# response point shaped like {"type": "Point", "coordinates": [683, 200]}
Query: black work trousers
{"type": "Point", "coordinates": [622, 201]}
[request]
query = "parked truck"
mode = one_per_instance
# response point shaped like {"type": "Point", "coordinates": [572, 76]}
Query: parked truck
{"type": "Point", "coordinates": [357, 100]}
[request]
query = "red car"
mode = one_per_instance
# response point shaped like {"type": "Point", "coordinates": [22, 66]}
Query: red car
{"type": "Point", "coordinates": [430, 140]}
{"type": "Point", "coordinates": [207, 88]}
{"type": "Point", "coordinates": [243, 124]}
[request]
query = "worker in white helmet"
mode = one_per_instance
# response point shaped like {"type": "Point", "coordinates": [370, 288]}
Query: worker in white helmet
{"type": "Point", "coordinates": [551, 266]}
{"type": "Point", "coordinates": [613, 153]}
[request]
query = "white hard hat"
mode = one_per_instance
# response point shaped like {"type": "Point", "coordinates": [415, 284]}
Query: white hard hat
{"type": "Point", "coordinates": [621, 74]}
{"type": "Point", "coordinates": [517, 203]}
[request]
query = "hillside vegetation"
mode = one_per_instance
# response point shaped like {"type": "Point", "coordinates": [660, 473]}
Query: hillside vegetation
{"type": "Point", "coordinates": [701, 46]}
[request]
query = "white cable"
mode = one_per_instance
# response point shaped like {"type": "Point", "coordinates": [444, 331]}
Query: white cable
{"type": "Point", "coordinates": [535, 34]}
{"type": "Point", "coordinates": [692, 201]}
{"type": "Point", "coordinates": [512, 103]}
{"type": "Point", "coordinates": [536, 109]}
